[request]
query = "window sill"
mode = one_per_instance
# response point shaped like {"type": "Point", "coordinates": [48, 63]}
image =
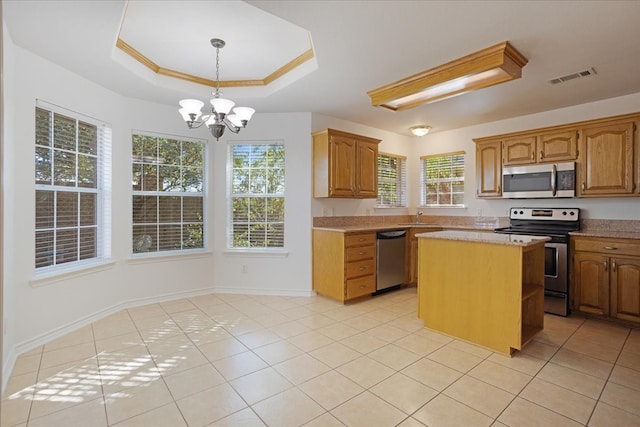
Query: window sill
{"type": "Point", "coordinates": [258, 253]}
{"type": "Point", "coordinates": [156, 257]}
{"type": "Point", "coordinates": [444, 207]}
{"type": "Point", "coordinates": [51, 277]}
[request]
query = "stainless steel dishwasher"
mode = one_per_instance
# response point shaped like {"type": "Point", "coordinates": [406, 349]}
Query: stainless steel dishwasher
{"type": "Point", "coordinates": [391, 249]}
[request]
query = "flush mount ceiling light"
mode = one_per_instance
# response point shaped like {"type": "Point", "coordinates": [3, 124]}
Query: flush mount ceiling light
{"type": "Point", "coordinates": [219, 118]}
{"type": "Point", "coordinates": [487, 67]}
{"type": "Point", "coordinates": [420, 130]}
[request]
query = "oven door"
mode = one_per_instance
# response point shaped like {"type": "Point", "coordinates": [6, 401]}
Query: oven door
{"type": "Point", "coordinates": [555, 267]}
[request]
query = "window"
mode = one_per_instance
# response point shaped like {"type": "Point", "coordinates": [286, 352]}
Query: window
{"type": "Point", "coordinates": [72, 173]}
{"type": "Point", "coordinates": [392, 181]}
{"type": "Point", "coordinates": [168, 194]}
{"type": "Point", "coordinates": [442, 180]}
{"type": "Point", "coordinates": [257, 196]}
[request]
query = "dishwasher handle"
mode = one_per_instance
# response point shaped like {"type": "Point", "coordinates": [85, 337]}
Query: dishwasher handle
{"type": "Point", "coordinates": [386, 235]}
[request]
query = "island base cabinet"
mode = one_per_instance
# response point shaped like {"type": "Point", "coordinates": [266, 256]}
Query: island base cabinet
{"type": "Point", "coordinates": [487, 294]}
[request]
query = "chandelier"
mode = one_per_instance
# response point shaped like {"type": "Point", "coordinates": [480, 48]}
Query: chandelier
{"type": "Point", "coordinates": [219, 118]}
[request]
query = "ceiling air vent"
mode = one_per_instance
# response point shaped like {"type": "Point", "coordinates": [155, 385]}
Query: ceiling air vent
{"type": "Point", "coordinates": [585, 73]}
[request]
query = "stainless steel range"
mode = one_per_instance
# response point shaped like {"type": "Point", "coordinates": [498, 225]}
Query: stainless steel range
{"type": "Point", "coordinates": [555, 223]}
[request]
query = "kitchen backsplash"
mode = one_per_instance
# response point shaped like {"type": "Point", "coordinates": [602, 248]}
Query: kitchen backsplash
{"type": "Point", "coordinates": [444, 220]}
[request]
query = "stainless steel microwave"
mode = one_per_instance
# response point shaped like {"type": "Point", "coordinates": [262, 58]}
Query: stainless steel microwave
{"type": "Point", "coordinates": [539, 181]}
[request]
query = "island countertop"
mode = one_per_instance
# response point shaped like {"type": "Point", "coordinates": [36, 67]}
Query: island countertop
{"type": "Point", "coordinates": [492, 238]}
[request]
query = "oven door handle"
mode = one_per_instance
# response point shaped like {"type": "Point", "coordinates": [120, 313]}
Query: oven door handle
{"type": "Point", "coordinates": [554, 172]}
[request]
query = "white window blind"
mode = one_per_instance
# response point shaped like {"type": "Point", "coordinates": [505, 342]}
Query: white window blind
{"type": "Point", "coordinates": [442, 180]}
{"type": "Point", "coordinates": [168, 194]}
{"type": "Point", "coordinates": [256, 186]}
{"type": "Point", "coordinates": [392, 181]}
{"type": "Point", "coordinates": [72, 189]}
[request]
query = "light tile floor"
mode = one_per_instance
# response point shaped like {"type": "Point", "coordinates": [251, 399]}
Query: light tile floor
{"type": "Point", "coordinates": [242, 360]}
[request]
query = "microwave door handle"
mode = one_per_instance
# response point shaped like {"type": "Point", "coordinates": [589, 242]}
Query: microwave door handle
{"type": "Point", "coordinates": [554, 173]}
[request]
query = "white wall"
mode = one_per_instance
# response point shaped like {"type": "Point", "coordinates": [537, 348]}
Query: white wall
{"type": "Point", "coordinates": [288, 274]}
{"type": "Point", "coordinates": [36, 314]}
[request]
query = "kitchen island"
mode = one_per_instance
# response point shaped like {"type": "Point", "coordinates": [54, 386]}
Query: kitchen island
{"type": "Point", "coordinates": [484, 288]}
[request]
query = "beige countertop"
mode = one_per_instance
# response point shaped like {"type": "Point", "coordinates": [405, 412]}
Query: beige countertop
{"type": "Point", "coordinates": [387, 227]}
{"type": "Point", "coordinates": [611, 234]}
{"type": "Point", "coordinates": [483, 237]}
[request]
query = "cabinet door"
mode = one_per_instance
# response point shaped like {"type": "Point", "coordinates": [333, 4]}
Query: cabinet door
{"type": "Point", "coordinates": [367, 169]}
{"type": "Point", "coordinates": [625, 288]}
{"type": "Point", "coordinates": [519, 151]}
{"type": "Point", "coordinates": [489, 169]}
{"type": "Point", "coordinates": [591, 287]}
{"type": "Point", "coordinates": [606, 166]}
{"type": "Point", "coordinates": [342, 170]}
{"type": "Point", "coordinates": [558, 147]}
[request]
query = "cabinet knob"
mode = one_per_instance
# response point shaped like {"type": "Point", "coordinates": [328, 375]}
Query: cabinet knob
{"type": "Point", "coordinates": [583, 186]}
{"type": "Point", "coordinates": [533, 154]}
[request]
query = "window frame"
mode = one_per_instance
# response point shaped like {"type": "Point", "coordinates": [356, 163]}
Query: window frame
{"type": "Point", "coordinates": [400, 182]}
{"type": "Point", "coordinates": [272, 250]}
{"type": "Point", "coordinates": [159, 194]}
{"type": "Point", "coordinates": [424, 181]}
{"type": "Point", "coordinates": [100, 189]}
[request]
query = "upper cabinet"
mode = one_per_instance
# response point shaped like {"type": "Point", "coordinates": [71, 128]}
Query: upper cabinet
{"type": "Point", "coordinates": [489, 169]}
{"type": "Point", "coordinates": [345, 165]}
{"type": "Point", "coordinates": [607, 160]}
{"type": "Point", "coordinates": [606, 152]}
{"type": "Point", "coordinates": [541, 148]}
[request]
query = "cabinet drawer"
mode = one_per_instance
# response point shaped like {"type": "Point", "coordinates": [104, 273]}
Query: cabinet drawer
{"type": "Point", "coordinates": [359, 239]}
{"type": "Point", "coordinates": [361, 286]}
{"type": "Point", "coordinates": [360, 253]}
{"type": "Point", "coordinates": [360, 268]}
{"type": "Point", "coordinates": [608, 246]}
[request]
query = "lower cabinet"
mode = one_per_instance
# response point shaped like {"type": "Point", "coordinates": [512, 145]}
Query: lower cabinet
{"type": "Point", "coordinates": [344, 264]}
{"type": "Point", "coordinates": [606, 277]}
{"type": "Point", "coordinates": [411, 275]}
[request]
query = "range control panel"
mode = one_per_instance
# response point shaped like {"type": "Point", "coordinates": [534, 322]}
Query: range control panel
{"type": "Point", "coordinates": [551, 214]}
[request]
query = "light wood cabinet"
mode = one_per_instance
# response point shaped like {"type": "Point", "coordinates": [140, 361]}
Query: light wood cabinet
{"type": "Point", "coordinates": [489, 169]}
{"type": "Point", "coordinates": [607, 160]}
{"type": "Point", "coordinates": [344, 264]}
{"type": "Point", "coordinates": [497, 298]}
{"type": "Point", "coordinates": [344, 165]}
{"type": "Point", "coordinates": [606, 277]}
{"type": "Point", "coordinates": [541, 148]}
{"type": "Point", "coordinates": [412, 251]}
{"type": "Point", "coordinates": [606, 152]}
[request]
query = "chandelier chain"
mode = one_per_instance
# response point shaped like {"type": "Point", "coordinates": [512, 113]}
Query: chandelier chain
{"type": "Point", "coordinates": [217, 71]}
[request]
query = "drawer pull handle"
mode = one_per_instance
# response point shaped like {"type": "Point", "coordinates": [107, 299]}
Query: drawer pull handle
{"type": "Point", "coordinates": [610, 248]}
{"type": "Point", "coordinates": [606, 266]}
{"type": "Point", "coordinates": [361, 253]}
{"type": "Point", "coordinates": [362, 286]}
{"type": "Point", "coordinates": [613, 265]}
{"type": "Point", "coordinates": [361, 268]}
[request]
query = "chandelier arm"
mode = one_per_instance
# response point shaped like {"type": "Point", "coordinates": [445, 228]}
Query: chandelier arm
{"type": "Point", "coordinates": [233, 128]}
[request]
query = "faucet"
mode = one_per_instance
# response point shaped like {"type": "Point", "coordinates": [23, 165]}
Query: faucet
{"type": "Point", "coordinates": [418, 215]}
